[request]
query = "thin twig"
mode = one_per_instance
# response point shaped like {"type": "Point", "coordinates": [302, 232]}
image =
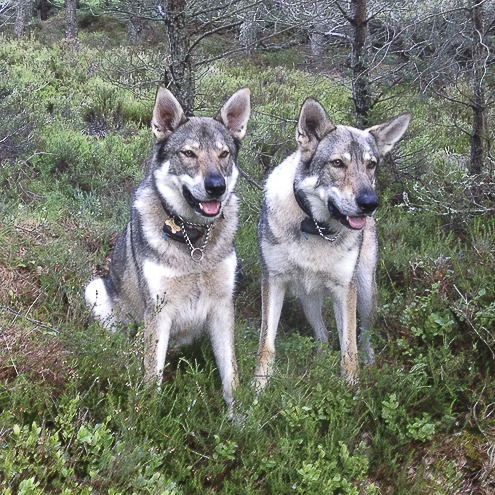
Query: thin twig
{"type": "Point", "coordinates": [31, 320]}
{"type": "Point", "coordinates": [250, 179]}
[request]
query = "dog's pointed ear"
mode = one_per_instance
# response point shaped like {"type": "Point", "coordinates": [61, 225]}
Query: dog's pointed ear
{"type": "Point", "coordinates": [313, 125]}
{"type": "Point", "coordinates": [234, 115]}
{"type": "Point", "coordinates": [167, 114]}
{"type": "Point", "coordinates": [387, 134]}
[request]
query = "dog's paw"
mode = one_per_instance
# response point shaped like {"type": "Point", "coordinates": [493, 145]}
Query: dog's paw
{"type": "Point", "coordinates": [260, 381]}
{"type": "Point", "coordinates": [368, 356]}
{"type": "Point", "coordinates": [234, 415]}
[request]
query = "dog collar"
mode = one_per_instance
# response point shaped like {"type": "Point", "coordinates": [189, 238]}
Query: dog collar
{"type": "Point", "coordinates": [177, 229]}
{"type": "Point", "coordinates": [309, 225]}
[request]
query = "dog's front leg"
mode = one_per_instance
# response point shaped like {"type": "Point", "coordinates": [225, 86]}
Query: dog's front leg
{"type": "Point", "coordinates": [344, 306]}
{"type": "Point", "coordinates": [221, 330]}
{"type": "Point", "coordinates": [272, 299]}
{"type": "Point", "coordinates": [157, 327]}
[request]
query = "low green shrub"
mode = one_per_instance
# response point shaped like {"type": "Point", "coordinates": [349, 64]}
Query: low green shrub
{"type": "Point", "coordinates": [76, 416]}
{"type": "Point", "coordinates": [78, 457]}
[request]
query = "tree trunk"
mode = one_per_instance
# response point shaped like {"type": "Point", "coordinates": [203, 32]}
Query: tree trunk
{"type": "Point", "coordinates": [361, 92]}
{"type": "Point", "coordinates": [70, 19]}
{"type": "Point", "coordinates": [23, 12]}
{"type": "Point", "coordinates": [136, 22]}
{"type": "Point", "coordinates": [248, 31]}
{"type": "Point", "coordinates": [479, 105]}
{"type": "Point", "coordinates": [135, 29]}
{"type": "Point", "coordinates": [317, 40]}
{"type": "Point", "coordinates": [178, 76]}
{"type": "Point", "coordinates": [44, 8]}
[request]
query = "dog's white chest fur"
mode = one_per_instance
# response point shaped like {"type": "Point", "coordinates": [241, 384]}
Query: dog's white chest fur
{"type": "Point", "coordinates": [187, 299]}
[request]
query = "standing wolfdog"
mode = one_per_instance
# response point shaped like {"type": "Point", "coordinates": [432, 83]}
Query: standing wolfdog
{"type": "Point", "coordinates": [173, 268]}
{"type": "Point", "coordinates": [317, 233]}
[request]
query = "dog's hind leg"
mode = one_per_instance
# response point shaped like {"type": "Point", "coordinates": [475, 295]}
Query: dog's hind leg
{"type": "Point", "coordinates": [272, 299]}
{"type": "Point", "coordinates": [365, 309]}
{"type": "Point", "coordinates": [313, 305]}
{"type": "Point", "coordinates": [221, 330]}
{"type": "Point", "coordinates": [366, 293]}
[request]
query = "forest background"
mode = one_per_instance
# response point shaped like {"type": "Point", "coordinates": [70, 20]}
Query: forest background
{"type": "Point", "coordinates": [77, 84]}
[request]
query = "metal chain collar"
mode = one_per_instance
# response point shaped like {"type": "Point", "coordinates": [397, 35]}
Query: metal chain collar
{"type": "Point", "coordinates": [329, 239]}
{"type": "Point", "coordinates": [196, 252]}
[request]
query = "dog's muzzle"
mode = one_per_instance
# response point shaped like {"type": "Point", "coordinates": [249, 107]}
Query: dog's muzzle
{"type": "Point", "coordinates": [367, 203]}
{"type": "Point", "coordinates": [215, 187]}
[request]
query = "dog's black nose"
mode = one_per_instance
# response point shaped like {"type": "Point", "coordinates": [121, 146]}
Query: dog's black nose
{"type": "Point", "coordinates": [215, 185]}
{"type": "Point", "coordinates": [367, 201]}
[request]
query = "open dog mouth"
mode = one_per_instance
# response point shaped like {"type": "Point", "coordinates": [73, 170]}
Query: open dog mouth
{"type": "Point", "coordinates": [351, 222]}
{"type": "Point", "coordinates": [356, 223]}
{"type": "Point", "coordinates": [205, 208]}
{"type": "Point", "coordinates": [210, 208]}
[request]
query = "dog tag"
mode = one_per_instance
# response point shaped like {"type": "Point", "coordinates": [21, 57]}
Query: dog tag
{"type": "Point", "coordinates": [173, 226]}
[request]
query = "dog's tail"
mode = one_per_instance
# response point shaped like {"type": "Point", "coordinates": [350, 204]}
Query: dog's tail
{"type": "Point", "coordinates": [101, 304]}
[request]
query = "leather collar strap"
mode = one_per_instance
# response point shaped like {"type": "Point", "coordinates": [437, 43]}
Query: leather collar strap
{"type": "Point", "coordinates": [174, 228]}
{"type": "Point", "coordinates": [170, 232]}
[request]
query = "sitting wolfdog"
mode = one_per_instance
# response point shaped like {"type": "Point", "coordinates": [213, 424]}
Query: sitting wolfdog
{"type": "Point", "coordinates": [317, 233]}
{"type": "Point", "coordinates": [173, 268]}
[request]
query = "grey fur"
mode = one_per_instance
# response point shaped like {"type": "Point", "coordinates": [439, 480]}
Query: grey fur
{"type": "Point", "coordinates": [317, 233]}
{"type": "Point", "coordinates": [153, 277]}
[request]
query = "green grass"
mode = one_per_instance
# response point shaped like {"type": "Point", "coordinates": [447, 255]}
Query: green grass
{"type": "Point", "coordinates": [75, 415]}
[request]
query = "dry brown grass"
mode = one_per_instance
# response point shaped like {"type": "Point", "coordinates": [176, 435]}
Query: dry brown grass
{"type": "Point", "coordinates": [470, 455]}
{"type": "Point", "coordinates": [28, 349]}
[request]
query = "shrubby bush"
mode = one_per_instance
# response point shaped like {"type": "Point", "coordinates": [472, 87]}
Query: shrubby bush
{"type": "Point", "coordinates": [78, 139]}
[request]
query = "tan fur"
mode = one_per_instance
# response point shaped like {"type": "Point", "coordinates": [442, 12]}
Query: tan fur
{"type": "Point", "coordinates": [328, 182]}
{"type": "Point", "coordinates": [155, 279]}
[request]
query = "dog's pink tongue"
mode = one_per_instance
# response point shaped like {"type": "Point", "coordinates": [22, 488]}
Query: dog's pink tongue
{"type": "Point", "coordinates": [210, 207]}
{"type": "Point", "coordinates": [357, 222]}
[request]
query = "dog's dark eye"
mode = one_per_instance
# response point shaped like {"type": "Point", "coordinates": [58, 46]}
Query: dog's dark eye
{"type": "Point", "coordinates": [371, 164]}
{"type": "Point", "coordinates": [188, 153]}
{"type": "Point", "coordinates": [338, 163]}
{"type": "Point", "coordinates": [224, 154]}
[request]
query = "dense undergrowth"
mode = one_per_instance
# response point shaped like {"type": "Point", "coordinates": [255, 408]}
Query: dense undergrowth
{"type": "Point", "coordinates": [75, 416]}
